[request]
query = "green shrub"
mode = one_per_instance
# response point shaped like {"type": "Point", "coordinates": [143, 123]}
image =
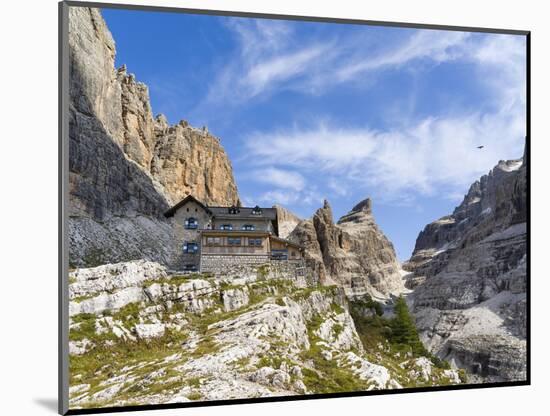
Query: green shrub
{"type": "Point", "coordinates": [194, 396]}
{"type": "Point", "coordinates": [280, 302]}
{"type": "Point", "coordinates": [403, 329]}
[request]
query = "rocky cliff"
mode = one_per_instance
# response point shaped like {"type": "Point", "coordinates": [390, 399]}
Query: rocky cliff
{"type": "Point", "coordinates": [188, 160]}
{"type": "Point", "coordinates": [286, 221]}
{"type": "Point", "coordinates": [141, 336]}
{"type": "Point", "coordinates": [353, 252]}
{"type": "Point", "coordinates": [126, 167]}
{"type": "Point", "coordinates": [468, 271]}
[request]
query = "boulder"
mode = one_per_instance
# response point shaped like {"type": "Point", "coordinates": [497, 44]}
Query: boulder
{"type": "Point", "coordinates": [148, 331]}
{"type": "Point", "coordinates": [233, 299]}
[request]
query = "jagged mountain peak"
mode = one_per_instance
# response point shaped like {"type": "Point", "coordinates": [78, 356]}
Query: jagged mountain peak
{"type": "Point", "coordinates": [468, 271]}
{"type": "Point", "coordinates": [324, 213]}
{"type": "Point", "coordinates": [360, 213]}
{"type": "Point", "coordinates": [353, 253]}
{"type": "Point", "coordinates": [487, 201]}
{"type": "Point", "coordinates": [365, 206]}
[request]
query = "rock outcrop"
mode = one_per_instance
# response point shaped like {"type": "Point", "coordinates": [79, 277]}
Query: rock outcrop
{"type": "Point", "coordinates": [125, 167]}
{"type": "Point", "coordinates": [194, 337]}
{"type": "Point", "coordinates": [286, 221]}
{"type": "Point", "coordinates": [353, 253]}
{"type": "Point", "coordinates": [468, 271]}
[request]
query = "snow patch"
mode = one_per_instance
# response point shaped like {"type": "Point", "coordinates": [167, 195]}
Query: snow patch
{"type": "Point", "coordinates": [486, 211]}
{"type": "Point", "coordinates": [464, 221]}
{"type": "Point", "coordinates": [445, 220]}
{"type": "Point", "coordinates": [511, 165]}
{"type": "Point", "coordinates": [474, 200]}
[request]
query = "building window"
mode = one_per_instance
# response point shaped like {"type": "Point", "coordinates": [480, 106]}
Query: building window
{"type": "Point", "coordinates": [233, 210]}
{"type": "Point", "coordinates": [256, 210]}
{"type": "Point", "coordinates": [234, 241]}
{"type": "Point", "coordinates": [248, 227]}
{"type": "Point", "coordinates": [191, 223]}
{"type": "Point", "coordinates": [292, 253]}
{"type": "Point", "coordinates": [279, 254]}
{"type": "Point", "coordinates": [213, 241]}
{"type": "Point", "coordinates": [226, 227]}
{"type": "Point", "coordinates": [190, 248]}
{"type": "Point", "coordinates": [256, 242]}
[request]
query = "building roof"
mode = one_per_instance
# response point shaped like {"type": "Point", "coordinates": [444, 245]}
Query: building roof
{"type": "Point", "coordinates": [188, 198]}
{"type": "Point", "coordinates": [244, 212]}
{"type": "Point", "coordinates": [234, 212]}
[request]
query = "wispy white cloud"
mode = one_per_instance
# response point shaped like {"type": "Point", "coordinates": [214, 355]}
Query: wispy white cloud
{"type": "Point", "coordinates": [306, 197]}
{"type": "Point", "coordinates": [417, 160]}
{"type": "Point", "coordinates": [284, 186]}
{"type": "Point", "coordinates": [338, 188]}
{"type": "Point", "coordinates": [501, 62]}
{"type": "Point", "coordinates": [267, 58]}
{"type": "Point", "coordinates": [271, 57]}
{"type": "Point", "coordinates": [280, 178]}
{"type": "Point", "coordinates": [437, 46]}
{"type": "Point", "coordinates": [278, 196]}
{"type": "Point", "coordinates": [418, 156]}
{"type": "Point", "coordinates": [263, 75]}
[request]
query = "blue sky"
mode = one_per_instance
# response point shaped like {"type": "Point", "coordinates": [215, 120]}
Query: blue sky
{"type": "Point", "coordinates": [308, 111]}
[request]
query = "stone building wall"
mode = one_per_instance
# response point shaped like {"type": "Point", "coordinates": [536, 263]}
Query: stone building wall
{"type": "Point", "coordinates": [261, 224]}
{"type": "Point", "coordinates": [182, 235]}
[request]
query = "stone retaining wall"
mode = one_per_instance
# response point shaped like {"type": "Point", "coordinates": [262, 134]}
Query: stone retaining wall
{"type": "Point", "coordinates": [220, 264]}
{"type": "Point", "coordinates": [242, 266]}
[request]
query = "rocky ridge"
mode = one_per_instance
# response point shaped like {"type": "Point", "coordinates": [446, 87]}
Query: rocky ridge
{"type": "Point", "coordinates": [259, 333]}
{"type": "Point", "coordinates": [125, 167]}
{"type": "Point", "coordinates": [468, 271]}
{"type": "Point", "coordinates": [353, 252]}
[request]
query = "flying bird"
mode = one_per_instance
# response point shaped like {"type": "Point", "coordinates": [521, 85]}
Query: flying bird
{"type": "Point", "coordinates": [480, 147]}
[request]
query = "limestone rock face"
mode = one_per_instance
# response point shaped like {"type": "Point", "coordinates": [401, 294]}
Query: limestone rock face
{"type": "Point", "coordinates": [127, 168]}
{"type": "Point", "coordinates": [353, 253]}
{"type": "Point", "coordinates": [192, 161]}
{"type": "Point", "coordinates": [112, 277]}
{"type": "Point", "coordinates": [286, 221]}
{"type": "Point", "coordinates": [469, 278]}
{"type": "Point", "coordinates": [115, 209]}
{"type": "Point", "coordinates": [305, 234]}
{"type": "Point", "coordinates": [138, 125]}
{"type": "Point", "coordinates": [147, 331]}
